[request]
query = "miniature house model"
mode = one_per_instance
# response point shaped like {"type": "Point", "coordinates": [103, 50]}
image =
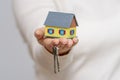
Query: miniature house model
{"type": "Point", "coordinates": [60, 24]}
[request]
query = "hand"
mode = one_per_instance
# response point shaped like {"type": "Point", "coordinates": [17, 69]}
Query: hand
{"type": "Point", "coordinates": [63, 44]}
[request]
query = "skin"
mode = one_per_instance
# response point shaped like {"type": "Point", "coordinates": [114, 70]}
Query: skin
{"type": "Point", "coordinates": [63, 44]}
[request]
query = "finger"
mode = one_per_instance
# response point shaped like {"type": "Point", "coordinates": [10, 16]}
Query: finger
{"type": "Point", "coordinates": [48, 43]}
{"type": "Point", "coordinates": [55, 42]}
{"type": "Point", "coordinates": [66, 47]}
{"type": "Point", "coordinates": [63, 42]}
{"type": "Point", "coordinates": [39, 33]}
{"type": "Point", "coordinates": [70, 43]}
{"type": "Point", "coordinates": [75, 41]}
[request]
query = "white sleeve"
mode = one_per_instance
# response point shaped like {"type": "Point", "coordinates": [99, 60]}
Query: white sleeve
{"type": "Point", "coordinates": [31, 14]}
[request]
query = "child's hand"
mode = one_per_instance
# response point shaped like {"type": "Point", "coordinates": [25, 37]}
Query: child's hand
{"type": "Point", "coordinates": [63, 44]}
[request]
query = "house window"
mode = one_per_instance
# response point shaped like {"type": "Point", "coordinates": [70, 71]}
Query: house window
{"type": "Point", "coordinates": [51, 31]}
{"type": "Point", "coordinates": [72, 32]}
{"type": "Point", "coordinates": [62, 32]}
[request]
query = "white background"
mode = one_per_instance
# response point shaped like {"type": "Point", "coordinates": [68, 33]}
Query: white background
{"type": "Point", "coordinates": [15, 62]}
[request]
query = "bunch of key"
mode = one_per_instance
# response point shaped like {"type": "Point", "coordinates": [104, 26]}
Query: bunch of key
{"type": "Point", "coordinates": [56, 59]}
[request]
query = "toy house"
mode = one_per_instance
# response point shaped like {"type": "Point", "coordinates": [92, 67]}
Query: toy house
{"type": "Point", "coordinates": [60, 24]}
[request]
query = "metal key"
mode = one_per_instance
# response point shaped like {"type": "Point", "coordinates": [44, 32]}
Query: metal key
{"type": "Point", "coordinates": [56, 60]}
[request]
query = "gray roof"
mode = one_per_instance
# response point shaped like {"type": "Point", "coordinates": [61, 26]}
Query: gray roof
{"type": "Point", "coordinates": [59, 19]}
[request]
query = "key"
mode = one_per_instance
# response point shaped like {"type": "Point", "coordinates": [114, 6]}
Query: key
{"type": "Point", "coordinates": [56, 60]}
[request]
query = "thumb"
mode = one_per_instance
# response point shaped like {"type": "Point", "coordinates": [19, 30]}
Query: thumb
{"type": "Point", "coordinates": [39, 33]}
